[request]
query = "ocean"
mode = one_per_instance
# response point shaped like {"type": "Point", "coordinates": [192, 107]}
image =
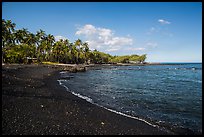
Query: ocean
{"type": "Point", "coordinates": [168, 96]}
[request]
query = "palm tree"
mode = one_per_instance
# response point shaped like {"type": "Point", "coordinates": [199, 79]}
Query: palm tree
{"type": "Point", "coordinates": [41, 44]}
{"type": "Point", "coordinates": [24, 36]}
{"type": "Point", "coordinates": [86, 51]}
{"type": "Point", "coordinates": [18, 36]}
{"type": "Point", "coordinates": [40, 35]}
{"type": "Point", "coordinates": [74, 53]}
{"type": "Point", "coordinates": [31, 39]}
{"type": "Point", "coordinates": [8, 28]}
{"type": "Point", "coordinates": [78, 43]}
{"type": "Point", "coordinates": [76, 50]}
{"type": "Point", "coordinates": [49, 41]}
{"type": "Point", "coordinates": [67, 48]}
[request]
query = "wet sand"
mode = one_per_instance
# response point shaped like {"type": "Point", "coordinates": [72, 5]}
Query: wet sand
{"type": "Point", "coordinates": [33, 103]}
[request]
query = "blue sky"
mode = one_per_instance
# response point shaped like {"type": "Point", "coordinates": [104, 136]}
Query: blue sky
{"type": "Point", "coordinates": [165, 31]}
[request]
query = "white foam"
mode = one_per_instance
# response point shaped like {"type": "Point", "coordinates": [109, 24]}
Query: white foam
{"type": "Point", "coordinates": [76, 94]}
{"type": "Point", "coordinates": [60, 82]}
{"type": "Point", "coordinates": [83, 97]}
{"type": "Point", "coordinates": [117, 112]}
{"type": "Point", "coordinates": [198, 81]}
{"type": "Point", "coordinates": [191, 80]}
{"type": "Point", "coordinates": [63, 72]}
{"type": "Point", "coordinates": [64, 80]}
{"type": "Point", "coordinates": [120, 113]}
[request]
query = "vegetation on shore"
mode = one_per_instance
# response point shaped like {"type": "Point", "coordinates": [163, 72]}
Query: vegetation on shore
{"type": "Point", "coordinates": [19, 45]}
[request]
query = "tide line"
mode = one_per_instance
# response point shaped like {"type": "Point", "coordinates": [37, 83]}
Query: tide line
{"type": "Point", "coordinates": [117, 112]}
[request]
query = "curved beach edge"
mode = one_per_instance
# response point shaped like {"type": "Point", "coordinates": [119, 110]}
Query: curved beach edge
{"type": "Point", "coordinates": [34, 103]}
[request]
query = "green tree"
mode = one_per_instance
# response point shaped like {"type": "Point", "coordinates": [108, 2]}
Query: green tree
{"type": "Point", "coordinates": [22, 36]}
{"type": "Point", "coordinates": [47, 45]}
{"type": "Point", "coordinates": [142, 58]}
{"type": "Point", "coordinates": [19, 53]}
{"type": "Point", "coordinates": [86, 51]}
{"type": "Point", "coordinates": [77, 50]}
{"type": "Point", "coordinates": [74, 54]}
{"type": "Point", "coordinates": [41, 45]}
{"type": "Point", "coordinates": [17, 45]}
{"type": "Point", "coordinates": [8, 28]}
{"type": "Point", "coordinates": [60, 51]}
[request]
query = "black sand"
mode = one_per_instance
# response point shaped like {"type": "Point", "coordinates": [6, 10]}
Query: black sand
{"type": "Point", "coordinates": [34, 103]}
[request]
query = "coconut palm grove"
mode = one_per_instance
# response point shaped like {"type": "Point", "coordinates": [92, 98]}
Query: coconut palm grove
{"type": "Point", "coordinates": [19, 45]}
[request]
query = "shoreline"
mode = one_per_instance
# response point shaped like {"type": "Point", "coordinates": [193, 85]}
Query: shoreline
{"type": "Point", "coordinates": [170, 128]}
{"type": "Point", "coordinates": [33, 102]}
{"type": "Point", "coordinates": [114, 111]}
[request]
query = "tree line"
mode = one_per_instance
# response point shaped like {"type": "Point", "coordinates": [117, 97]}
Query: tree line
{"type": "Point", "coordinates": [19, 45]}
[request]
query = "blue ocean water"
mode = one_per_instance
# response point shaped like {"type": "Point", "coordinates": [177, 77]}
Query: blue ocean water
{"type": "Point", "coordinates": [169, 96]}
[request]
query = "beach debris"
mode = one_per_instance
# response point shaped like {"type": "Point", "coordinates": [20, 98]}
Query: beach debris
{"type": "Point", "coordinates": [102, 123]}
{"type": "Point", "coordinates": [42, 106]}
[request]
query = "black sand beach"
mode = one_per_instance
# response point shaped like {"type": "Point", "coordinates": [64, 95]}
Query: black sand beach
{"type": "Point", "coordinates": [33, 103]}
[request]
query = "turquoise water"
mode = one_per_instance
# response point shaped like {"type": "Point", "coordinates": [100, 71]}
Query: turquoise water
{"type": "Point", "coordinates": [169, 96]}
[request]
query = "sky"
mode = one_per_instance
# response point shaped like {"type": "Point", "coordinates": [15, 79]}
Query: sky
{"type": "Point", "coordinates": [165, 31]}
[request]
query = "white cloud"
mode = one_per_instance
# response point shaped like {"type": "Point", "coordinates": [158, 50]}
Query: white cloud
{"type": "Point", "coordinates": [112, 49]}
{"type": "Point", "coordinates": [147, 46]}
{"type": "Point", "coordinates": [151, 44]}
{"type": "Point", "coordinates": [166, 33]}
{"type": "Point", "coordinates": [86, 30]}
{"type": "Point", "coordinates": [163, 21]}
{"type": "Point", "coordinates": [153, 30]}
{"type": "Point", "coordinates": [103, 38]}
{"type": "Point", "coordinates": [119, 41]}
{"type": "Point", "coordinates": [136, 49]}
{"type": "Point", "coordinates": [161, 30]}
{"type": "Point", "coordinates": [105, 32]}
{"type": "Point", "coordinates": [57, 38]}
{"type": "Point", "coordinates": [94, 44]}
